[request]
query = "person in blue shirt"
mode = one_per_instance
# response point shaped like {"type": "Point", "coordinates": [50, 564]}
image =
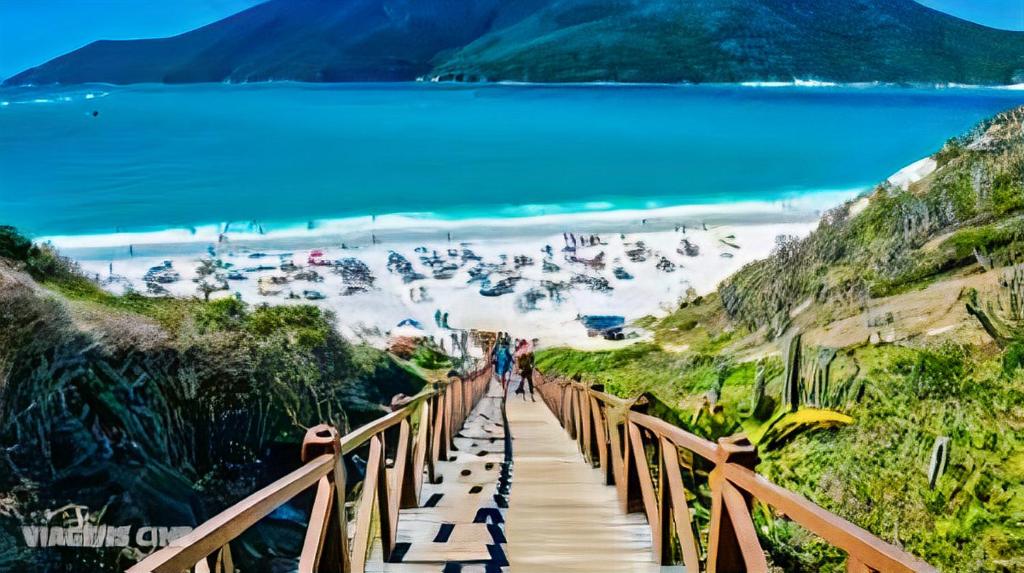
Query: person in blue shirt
{"type": "Point", "coordinates": [503, 361]}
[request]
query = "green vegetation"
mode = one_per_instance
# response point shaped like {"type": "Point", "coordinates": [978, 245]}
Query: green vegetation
{"type": "Point", "coordinates": [159, 410]}
{"type": "Point", "coordinates": [853, 427]}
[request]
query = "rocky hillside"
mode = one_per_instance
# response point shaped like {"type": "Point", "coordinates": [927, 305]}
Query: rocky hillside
{"type": "Point", "coordinates": [145, 411]}
{"type": "Point", "coordinates": [878, 364]}
{"type": "Point", "coordinates": [560, 41]}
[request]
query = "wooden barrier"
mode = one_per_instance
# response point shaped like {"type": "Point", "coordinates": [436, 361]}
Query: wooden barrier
{"type": "Point", "coordinates": [644, 457]}
{"type": "Point", "coordinates": [422, 430]}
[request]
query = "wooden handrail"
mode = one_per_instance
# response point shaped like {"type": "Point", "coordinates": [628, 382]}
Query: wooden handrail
{"type": "Point", "coordinates": [609, 432]}
{"type": "Point", "coordinates": [439, 410]}
{"type": "Point", "coordinates": [678, 436]}
{"type": "Point", "coordinates": [225, 526]}
{"type": "Point", "coordinates": [871, 550]}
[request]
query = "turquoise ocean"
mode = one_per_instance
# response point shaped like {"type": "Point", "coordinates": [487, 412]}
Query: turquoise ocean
{"type": "Point", "coordinates": [98, 159]}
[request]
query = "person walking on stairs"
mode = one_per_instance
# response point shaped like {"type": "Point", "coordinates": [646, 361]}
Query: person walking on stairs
{"type": "Point", "coordinates": [503, 362]}
{"type": "Point", "coordinates": [524, 361]}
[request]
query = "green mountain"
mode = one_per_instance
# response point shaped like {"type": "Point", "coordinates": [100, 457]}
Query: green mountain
{"type": "Point", "coordinates": [560, 41]}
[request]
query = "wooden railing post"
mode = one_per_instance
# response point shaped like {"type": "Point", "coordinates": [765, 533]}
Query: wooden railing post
{"type": "Point", "coordinates": [577, 417]}
{"type": "Point", "coordinates": [648, 496]}
{"type": "Point", "coordinates": [733, 546]}
{"type": "Point", "coordinates": [225, 563]}
{"type": "Point", "coordinates": [585, 425]}
{"type": "Point", "coordinates": [405, 478]}
{"type": "Point", "coordinates": [326, 545]}
{"type": "Point", "coordinates": [421, 452]}
{"type": "Point", "coordinates": [369, 501]}
{"type": "Point", "coordinates": [601, 437]}
{"type": "Point", "coordinates": [567, 410]}
{"type": "Point", "coordinates": [673, 502]}
{"type": "Point", "coordinates": [620, 458]}
{"type": "Point", "coordinates": [446, 421]}
{"type": "Point", "coordinates": [440, 425]}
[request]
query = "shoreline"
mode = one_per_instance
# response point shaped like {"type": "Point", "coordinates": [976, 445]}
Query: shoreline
{"type": "Point", "coordinates": [793, 83]}
{"type": "Point", "coordinates": [402, 226]}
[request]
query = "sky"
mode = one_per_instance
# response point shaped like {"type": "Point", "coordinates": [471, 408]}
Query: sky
{"type": "Point", "coordinates": [34, 31]}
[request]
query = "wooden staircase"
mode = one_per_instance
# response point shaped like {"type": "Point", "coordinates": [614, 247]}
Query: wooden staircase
{"type": "Point", "coordinates": [460, 479]}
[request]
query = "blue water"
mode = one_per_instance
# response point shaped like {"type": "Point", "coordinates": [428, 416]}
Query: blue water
{"type": "Point", "coordinates": [166, 156]}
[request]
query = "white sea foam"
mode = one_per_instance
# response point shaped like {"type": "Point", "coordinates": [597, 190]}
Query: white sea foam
{"type": "Point", "coordinates": [534, 218]}
{"type": "Point", "coordinates": [796, 82]}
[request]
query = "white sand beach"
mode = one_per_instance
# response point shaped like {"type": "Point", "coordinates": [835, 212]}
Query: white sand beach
{"type": "Point", "coordinates": [640, 263]}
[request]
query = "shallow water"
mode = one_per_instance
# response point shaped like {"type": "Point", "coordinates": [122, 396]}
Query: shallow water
{"type": "Point", "coordinates": [177, 156]}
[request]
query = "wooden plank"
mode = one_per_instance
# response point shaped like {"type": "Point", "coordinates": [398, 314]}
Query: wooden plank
{"type": "Point", "coordinates": [427, 552]}
{"type": "Point", "coordinates": [230, 523]}
{"type": "Point", "coordinates": [858, 542]}
{"type": "Point", "coordinates": [562, 517]}
{"type": "Point", "coordinates": [316, 530]}
{"type": "Point", "coordinates": [676, 494]}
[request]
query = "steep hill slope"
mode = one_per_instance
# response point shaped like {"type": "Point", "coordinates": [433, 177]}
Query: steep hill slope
{"type": "Point", "coordinates": [156, 411]}
{"type": "Point", "coordinates": [848, 356]}
{"type": "Point", "coordinates": [740, 40]}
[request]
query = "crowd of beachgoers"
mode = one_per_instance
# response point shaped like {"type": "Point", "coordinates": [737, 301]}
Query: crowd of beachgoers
{"type": "Point", "coordinates": [580, 288]}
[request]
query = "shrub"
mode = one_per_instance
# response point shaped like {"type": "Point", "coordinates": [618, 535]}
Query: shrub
{"type": "Point", "coordinates": [13, 245]}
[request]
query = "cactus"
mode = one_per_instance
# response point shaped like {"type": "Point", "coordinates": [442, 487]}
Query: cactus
{"type": "Point", "coordinates": [808, 377]}
{"type": "Point", "coordinates": [820, 374]}
{"type": "Point", "coordinates": [759, 383]}
{"type": "Point", "coordinates": [791, 379]}
{"type": "Point", "coordinates": [1002, 318]}
{"type": "Point", "coordinates": [940, 457]}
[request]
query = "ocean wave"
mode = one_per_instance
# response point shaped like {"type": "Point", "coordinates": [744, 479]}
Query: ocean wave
{"type": "Point", "coordinates": [34, 97]}
{"type": "Point", "coordinates": [565, 217]}
{"type": "Point", "coordinates": [805, 83]}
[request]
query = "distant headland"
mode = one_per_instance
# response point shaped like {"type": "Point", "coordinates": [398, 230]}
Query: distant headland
{"type": "Point", "coordinates": [689, 41]}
